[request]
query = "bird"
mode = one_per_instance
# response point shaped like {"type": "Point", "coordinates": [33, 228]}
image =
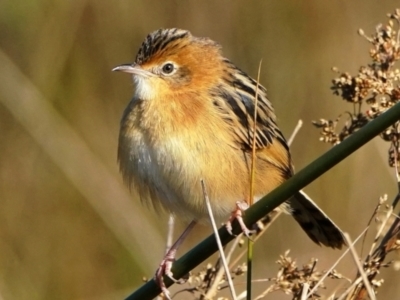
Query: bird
{"type": "Point", "coordinates": [191, 118]}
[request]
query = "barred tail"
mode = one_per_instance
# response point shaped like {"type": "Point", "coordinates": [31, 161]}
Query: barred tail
{"type": "Point", "coordinates": [315, 222]}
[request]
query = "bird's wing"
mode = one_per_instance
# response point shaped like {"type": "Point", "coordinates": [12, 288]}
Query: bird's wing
{"type": "Point", "coordinates": [235, 101]}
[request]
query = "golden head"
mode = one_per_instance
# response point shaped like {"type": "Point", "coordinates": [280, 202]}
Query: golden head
{"type": "Point", "coordinates": [173, 61]}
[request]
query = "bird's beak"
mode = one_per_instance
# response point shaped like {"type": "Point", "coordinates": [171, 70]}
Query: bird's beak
{"type": "Point", "coordinates": [134, 69]}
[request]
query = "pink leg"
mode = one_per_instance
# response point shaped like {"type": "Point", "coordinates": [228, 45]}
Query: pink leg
{"type": "Point", "coordinates": [237, 214]}
{"type": "Point", "coordinates": [169, 258]}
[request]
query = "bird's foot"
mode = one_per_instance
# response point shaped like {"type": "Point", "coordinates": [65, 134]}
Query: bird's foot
{"type": "Point", "coordinates": [237, 214]}
{"type": "Point", "coordinates": [165, 269]}
{"type": "Point", "coordinates": [166, 264]}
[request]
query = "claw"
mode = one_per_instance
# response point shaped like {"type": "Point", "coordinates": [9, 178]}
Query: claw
{"type": "Point", "coordinates": [166, 264]}
{"type": "Point", "coordinates": [164, 268]}
{"type": "Point", "coordinates": [237, 214]}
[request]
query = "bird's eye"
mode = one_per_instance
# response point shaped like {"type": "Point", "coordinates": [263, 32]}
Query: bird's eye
{"type": "Point", "coordinates": [168, 68]}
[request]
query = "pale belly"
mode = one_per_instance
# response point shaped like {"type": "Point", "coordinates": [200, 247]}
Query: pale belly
{"type": "Point", "coordinates": [165, 163]}
{"type": "Point", "coordinates": [169, 175]}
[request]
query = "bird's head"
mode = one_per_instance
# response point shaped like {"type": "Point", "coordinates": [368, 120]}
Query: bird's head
{"type": "Point", "coordinates": [173, 61]}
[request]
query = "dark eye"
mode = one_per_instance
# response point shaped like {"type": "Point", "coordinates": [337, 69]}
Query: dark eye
{"type": "Point", "coordinates": [168, 68]}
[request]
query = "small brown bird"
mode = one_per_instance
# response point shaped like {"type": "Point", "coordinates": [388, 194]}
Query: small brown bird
{"type": "Point", "coordinates": [191, 118]}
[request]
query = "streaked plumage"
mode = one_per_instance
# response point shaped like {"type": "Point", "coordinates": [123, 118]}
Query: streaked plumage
{"type": "Point", "coordinates": [196, 122]}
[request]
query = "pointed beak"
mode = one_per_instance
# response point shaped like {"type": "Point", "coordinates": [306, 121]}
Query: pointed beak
{"type": "Point", "coordinates": [134, 69]}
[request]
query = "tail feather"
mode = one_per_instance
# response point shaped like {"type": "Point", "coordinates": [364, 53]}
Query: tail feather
{"type": "Point", "coordinates": [318, 226]}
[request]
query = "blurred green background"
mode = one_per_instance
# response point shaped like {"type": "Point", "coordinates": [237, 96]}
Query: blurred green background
{"type": "Point", "coordinates": [69, 228]}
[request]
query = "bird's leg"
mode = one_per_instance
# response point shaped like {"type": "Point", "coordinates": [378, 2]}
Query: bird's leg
{"type": "Point", "coordinates": [237, 214]}
{"type": "Point", "coordinates": [169, 258]}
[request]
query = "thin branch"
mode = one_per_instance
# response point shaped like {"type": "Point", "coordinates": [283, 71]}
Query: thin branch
{"type": "Point", "coordinates": [294, 133]}
{"type": "Point", "coordinates": [253, 153]}
{"type": "Point", "coordinates": [213, 288]}
{"type": "Point", "coordinates": [355, 283]}
{"type": "Point", "coordinates": [217, 239]}
{"type": "Point", "coordinates": [380, 230]}
{"type": "Point", "coordinates": [304, 291]}
{"type": "Point", "coordinates": [364, 276]}
{"type": "Point", "coordinates": [250, 242]}
{"type": "Point", "coordinates": [314, 289]}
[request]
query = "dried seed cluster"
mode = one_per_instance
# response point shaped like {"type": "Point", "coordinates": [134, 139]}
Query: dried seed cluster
{"type": "Point", "coordinates": [290, 278]}
{"type": "Point", "coordinates": [376, 85]}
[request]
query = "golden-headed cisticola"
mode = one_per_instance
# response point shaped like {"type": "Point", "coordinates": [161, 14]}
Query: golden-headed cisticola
{"type": "Point", "coordinates": [192, 118]}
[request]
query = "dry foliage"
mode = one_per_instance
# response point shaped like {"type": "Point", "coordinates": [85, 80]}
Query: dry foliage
{"type": "Point", "coordinates": [376, 85]}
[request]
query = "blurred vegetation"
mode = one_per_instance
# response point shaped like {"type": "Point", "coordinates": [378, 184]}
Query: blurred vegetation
{"type": "Point", "coordinates": [69, 229]}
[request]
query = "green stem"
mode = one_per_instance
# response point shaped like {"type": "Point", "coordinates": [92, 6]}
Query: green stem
{"type": "Point", "coordinates": [250, 245]}
{"type": "Point", "coordinates": [261, 208]}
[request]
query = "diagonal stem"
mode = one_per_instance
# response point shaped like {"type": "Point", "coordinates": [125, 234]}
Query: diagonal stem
{"type": "Point", "coordinates": [318, 167]}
